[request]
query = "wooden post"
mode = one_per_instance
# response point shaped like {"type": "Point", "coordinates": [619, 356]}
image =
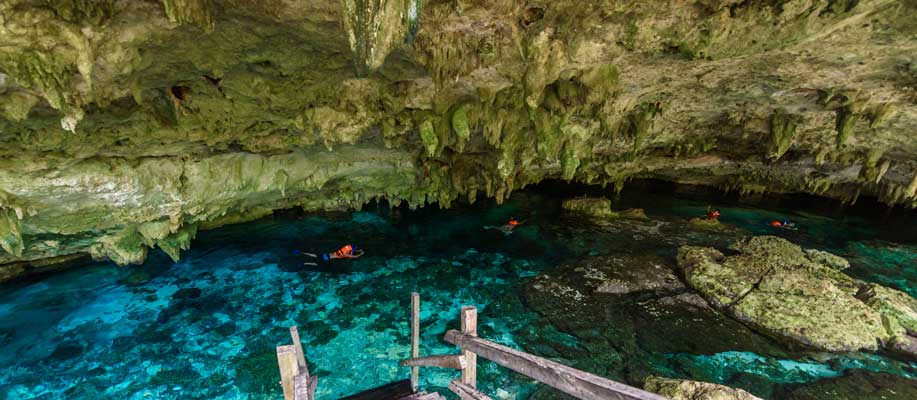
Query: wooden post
{"type": "Point", "coordinates": [415, 338]}
{"type": "Point", "coordinates": [300, 356]}
{"type": "Point", "coordinates": [470, 327]}
{"type": "Point", "coordinates": [289, 369]}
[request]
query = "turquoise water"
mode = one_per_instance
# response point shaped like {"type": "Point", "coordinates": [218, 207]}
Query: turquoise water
{"type": "Point", "coordinates": [206, 327]}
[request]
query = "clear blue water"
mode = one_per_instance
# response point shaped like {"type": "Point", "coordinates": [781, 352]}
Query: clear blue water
{"type": "Point", "coordinates": [206, 327]}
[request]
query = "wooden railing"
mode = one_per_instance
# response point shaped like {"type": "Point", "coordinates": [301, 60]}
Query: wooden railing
{"type": "Point", "coordinates": [579, 384]}
{"type": "Point", "coordinates": [299, 385]}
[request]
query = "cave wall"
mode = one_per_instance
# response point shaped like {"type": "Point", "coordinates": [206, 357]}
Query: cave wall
{"type": "Point", "coordinates": [127, 125]}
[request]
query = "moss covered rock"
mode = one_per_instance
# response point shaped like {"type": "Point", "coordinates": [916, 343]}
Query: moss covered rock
{"type": "Point", "coordinates": [771, 285]}
{"type": "Point", "coordinates": [683, 389]}
{"type": "Point", "coordinates": [597, 207]}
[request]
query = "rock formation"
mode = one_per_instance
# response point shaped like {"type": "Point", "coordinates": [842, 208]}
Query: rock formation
{"type": "Point", "coordinates": [682, 389]}
{"type": "Point", "coordinates": [127, 125]}
{"type": "Point", "coordinates": [775, 287]}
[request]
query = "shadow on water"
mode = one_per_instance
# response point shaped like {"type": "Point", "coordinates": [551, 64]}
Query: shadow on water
{"type": "Point", "coordinates": [206, 327]}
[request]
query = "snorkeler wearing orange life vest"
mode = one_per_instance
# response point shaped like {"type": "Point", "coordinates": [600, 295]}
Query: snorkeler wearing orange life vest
{"type": "Point", "coordinates": [713, 214]}
{"type": "Point", "coordinates": [783, 225]}
{"type": "Point", "coordinates": [347, 251]}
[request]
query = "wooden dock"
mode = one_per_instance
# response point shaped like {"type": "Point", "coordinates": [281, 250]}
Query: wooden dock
{"type": "Point", "coordinates": [299, 385]}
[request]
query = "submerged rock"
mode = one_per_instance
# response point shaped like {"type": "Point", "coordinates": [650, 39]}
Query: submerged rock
{"type": "Point", "coordinates": [857, 385]}
{"type": "Point", "coordinates": [639, 302]}
{"type": "Point", "coordinates": [613, 275]}
{"type": "Point", "coordinates": [773, 286]}
{"type": "Point", "coordinates": [683, 389]}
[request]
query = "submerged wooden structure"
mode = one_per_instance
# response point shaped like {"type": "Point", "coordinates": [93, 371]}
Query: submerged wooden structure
{"type": "Point", "coordinates": [299, 385]}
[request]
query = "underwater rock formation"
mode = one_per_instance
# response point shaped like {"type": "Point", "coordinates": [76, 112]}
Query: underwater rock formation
{"type": "Point", "coordinates": [131, 124]}
{"type": "Point", "coordinates": [857, 384]}
{"type": "Point", "coordinates": [682, 389]}
{"type": "Point", "coordinates": [775, 287]}
{"type": "Point", "coordinates": [644, 314]}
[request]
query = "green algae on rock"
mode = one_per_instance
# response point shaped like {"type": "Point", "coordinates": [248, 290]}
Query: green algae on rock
{"type": "Point", "coordinates": [683, 389]}
{"type": "Point", "coordinates": [773, 286]}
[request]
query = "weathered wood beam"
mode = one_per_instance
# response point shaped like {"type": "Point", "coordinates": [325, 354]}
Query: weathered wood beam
{"type": "Point", "coordinates": [300, 355]}
{"type": "Point", "coordinates": [453, 361]}
{"type": "Point", "coordinates": [304, 387]}
{"type": "Point", "coordinates": [289, 369]}
{"type": "Point", "coordinates": [470, 328]}
{"type": "Point", "coordinates": [466, 392]}
{"type": "Point", "coordinates": [415, 337]}
{"type": "Point", "coordinates": [574, 382]}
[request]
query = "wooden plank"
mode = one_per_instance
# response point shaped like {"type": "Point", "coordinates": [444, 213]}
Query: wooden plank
{"type": "Point", "coordinates": [289, 368]}
{"type": "Point", "coordinates": [304, 387]}
{"type": "Point", "coordinates": [466, 392]}
{"type": "Point", "coordinates": [470, 327]}
{"type": "Point", "coordinates": [453, 361]}
{"type": "Point", "coordinates": [390, 391]}
{"type": "Point", "coordinates": [415, 337]}
{"type": "Point", "coordinates": [300, 355]}
{"type": "Point", "coordinates": [574, 382]}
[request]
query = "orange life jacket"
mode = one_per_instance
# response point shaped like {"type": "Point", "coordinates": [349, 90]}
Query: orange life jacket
{"type": "Point", "coordinates": [777, 224]}
{"type": "Point", "coordinates": [512, 222]}
{"type": "Point", "coordinates": [343, 251]}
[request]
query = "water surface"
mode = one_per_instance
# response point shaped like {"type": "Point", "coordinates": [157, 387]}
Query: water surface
{"type": "Point", "coordinates": [206, 327]}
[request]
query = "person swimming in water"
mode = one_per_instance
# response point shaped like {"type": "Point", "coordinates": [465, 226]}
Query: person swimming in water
{"type": "Point", "coordinates": [782, 225]}
{"type": "Point", "coordinates": [508, 227]}
{"type": "Point", "coordinates": [347, 251]}
{"type": "Point", "coordinates": [714, 214]}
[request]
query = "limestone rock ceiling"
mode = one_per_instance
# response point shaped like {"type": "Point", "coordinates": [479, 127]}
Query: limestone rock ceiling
{"type": "Point", "coordinates": [130, 124]}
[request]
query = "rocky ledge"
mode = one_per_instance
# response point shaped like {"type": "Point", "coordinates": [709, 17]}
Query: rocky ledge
{"type": "Point", "coordinates": [127, 125]}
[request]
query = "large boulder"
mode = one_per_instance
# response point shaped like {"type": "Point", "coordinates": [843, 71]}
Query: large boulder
{"type": "Point", "coordinates": [683, 389]}
{"type": "Point", "coordinates": [775, 287]}
{"type": "Point", "coordinates": [598, 207]}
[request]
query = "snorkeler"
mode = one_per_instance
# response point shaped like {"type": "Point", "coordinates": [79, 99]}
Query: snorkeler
{"type": "Point", "coordinates": [347, 251]}
{"type": "Point", "coordinates": [512, 223]}
{"type": "Point", "coordinates": [782, 225]}
{"type": "Point", "coordinates": [715, 214]}
{"type": "Point", "coordinates": [508, 227]}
